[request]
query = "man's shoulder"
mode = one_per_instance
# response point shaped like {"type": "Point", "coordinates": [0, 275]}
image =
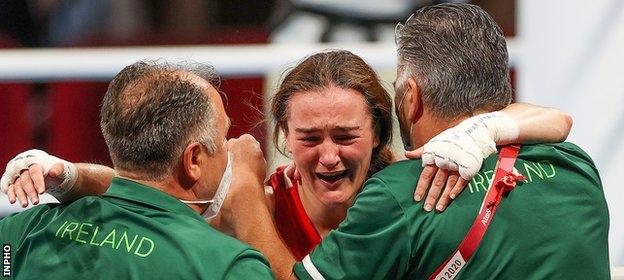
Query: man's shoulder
{"type": "Point", "coordinates": [565, 155]}
{"type": "Point", "coordinates": [249, 264]}
{"type": "Point", "coordinates": [566, 150]}
{"type": "Point", "coordinates": [399, 179]}
{"type": "Point", "coordinates": [404, 169]}
{"type": "Point", "coordinates": [29, 214]}
{"type": "Point", "coordinates": [225, 252]}
{"type": "Point", "coordinates": [222, 241]}
{"type": "Point", "coordinates": [15, 225]}
{"type": "Point", "coordinates": [200, 237]}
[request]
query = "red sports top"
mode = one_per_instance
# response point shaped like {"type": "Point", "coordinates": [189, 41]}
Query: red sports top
{"type": "Point", "coordinates": [293, 223]}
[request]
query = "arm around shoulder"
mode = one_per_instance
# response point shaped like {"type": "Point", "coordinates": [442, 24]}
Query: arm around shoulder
{"type": "Point", "coordinates": [539, 124]}
{"type": "Point", "coordinates": [93, 179]}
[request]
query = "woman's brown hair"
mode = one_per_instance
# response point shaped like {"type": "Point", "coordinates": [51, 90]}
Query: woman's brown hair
{"type": "Point", "coordinates": [345, 70]}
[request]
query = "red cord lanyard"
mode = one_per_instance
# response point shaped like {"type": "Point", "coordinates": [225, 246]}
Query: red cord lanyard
{"type": "Point", "coordinates": [504, 181]}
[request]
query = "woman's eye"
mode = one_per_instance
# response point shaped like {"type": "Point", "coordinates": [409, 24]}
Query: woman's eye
{"type": "Point", "coordinates": [345, 138]}
{"type": "Point", "coordinates": [310, 139]}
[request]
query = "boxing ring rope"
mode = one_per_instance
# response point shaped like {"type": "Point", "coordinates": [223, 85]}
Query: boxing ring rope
{"type": "Point", "coordinates": [238, 60]}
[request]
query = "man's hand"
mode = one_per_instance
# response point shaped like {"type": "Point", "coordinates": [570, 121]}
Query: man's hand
{"type": "Point", "coordinates": [454, 156]}
{"type": "Point", "coordinates": [247, 188]}
{"type": "Point", "coordinates": [436, 180]}
{"type": "Point", "coordinates": [450, 159]}
{"type": "Point", "coordinates": [291, 171]}
{"type": "Point", "coordinates": [246, 207]}
{"type": "Point", "coordinates": [33, 172]}
{"type": "Point", "coordinates": [247, 157]}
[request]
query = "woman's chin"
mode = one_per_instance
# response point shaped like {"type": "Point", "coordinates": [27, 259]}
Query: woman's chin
{"type": "Point", "coordinates": [336, 198]}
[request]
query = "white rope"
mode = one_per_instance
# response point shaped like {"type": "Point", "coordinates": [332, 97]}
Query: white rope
{"type": "Point", "coordinates": [238, 60]}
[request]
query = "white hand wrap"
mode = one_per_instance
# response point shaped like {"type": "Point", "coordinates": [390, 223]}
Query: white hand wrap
{"type": "Point", "coordinates": [464, 147]}
{"type": "Point", "coordinates": [24, 160]}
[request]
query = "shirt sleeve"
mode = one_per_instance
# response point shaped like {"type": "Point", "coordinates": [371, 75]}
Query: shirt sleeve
{"type": "Point", "coordinates": [372, 242]}
{"type": "Point", "coordinates": [249, 265]}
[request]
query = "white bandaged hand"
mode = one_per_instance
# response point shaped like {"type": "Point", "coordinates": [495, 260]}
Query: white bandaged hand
{"type": "Point", "coordinates": [464, 147]}
{"type": "Point", "coordinates": [24, 160]}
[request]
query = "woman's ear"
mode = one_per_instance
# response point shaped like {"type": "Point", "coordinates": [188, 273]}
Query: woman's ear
{"type": "Point", "coordinates": [287, 140]}
{"type": "Point", "coordinates": [376, 139]}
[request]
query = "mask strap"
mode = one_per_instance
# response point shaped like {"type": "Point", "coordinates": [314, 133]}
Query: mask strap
{"type": "Point", "coordinates": [222, 190]}
{"type": "Point", "coordinates": [224, 187]}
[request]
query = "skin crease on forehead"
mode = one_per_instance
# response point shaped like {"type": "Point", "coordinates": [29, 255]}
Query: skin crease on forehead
{"type": "Point", "coordinates": [329, 131]}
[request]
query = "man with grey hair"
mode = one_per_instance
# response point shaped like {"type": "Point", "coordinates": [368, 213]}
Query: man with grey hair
{"type": "Point", "coordinates": [452, 68]}
{"type": "Point", "coordinates": [165, 127]}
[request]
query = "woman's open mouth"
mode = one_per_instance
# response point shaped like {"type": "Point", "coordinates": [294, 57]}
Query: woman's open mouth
{"type": "Point", "coordinates": [332, 178]}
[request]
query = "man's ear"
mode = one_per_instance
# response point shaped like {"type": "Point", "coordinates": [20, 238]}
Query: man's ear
{"type": "Point", "coordinates": [413, 100]}
{"type": "Point", "coordinates": [192, 158]}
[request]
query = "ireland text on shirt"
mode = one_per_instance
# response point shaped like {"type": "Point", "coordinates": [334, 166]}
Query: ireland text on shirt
{"type": "Point", "coordinates": [89, 234]}
{"type": "Point", "coordinates": [541, 170]}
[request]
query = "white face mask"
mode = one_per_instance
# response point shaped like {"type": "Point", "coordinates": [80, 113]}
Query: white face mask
{"type": "Point", "coordinates": [220, 195]}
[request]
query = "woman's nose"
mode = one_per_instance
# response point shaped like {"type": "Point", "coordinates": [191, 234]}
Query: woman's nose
{"type": "Point", "coordinates": [329, 155]}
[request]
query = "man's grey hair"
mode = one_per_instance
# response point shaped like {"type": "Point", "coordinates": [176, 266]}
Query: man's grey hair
{"type": "Point", "coordinates": [458, 56]}
{"type": "Point", "coordinates": [152, 110]}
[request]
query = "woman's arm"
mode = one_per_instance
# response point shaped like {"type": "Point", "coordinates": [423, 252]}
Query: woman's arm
{"type": "Point", "coordinates": [521, 123]}
{"type": "Point", "coordinates": [537, 124]}
{"type": "Point", "coordinates": [33, 172]}
{"type": "Point", "coordinates": [93, 179]}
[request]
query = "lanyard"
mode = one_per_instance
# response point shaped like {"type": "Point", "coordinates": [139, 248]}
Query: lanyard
{"type": "Point", "coordinates": [504, 181]}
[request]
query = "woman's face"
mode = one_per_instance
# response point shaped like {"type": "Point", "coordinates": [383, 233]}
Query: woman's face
{"type": "Point", "coordinates": [331, 137]}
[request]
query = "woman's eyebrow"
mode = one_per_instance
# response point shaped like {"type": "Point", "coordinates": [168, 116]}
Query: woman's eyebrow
{"type": "Point", "coordinates": [315, 129]}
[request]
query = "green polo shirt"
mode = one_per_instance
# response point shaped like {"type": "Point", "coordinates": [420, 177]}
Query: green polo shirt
{"type": "Point", "coordinates": [554, 225]}
{"type": "Point", "coordinates": [131, 232]}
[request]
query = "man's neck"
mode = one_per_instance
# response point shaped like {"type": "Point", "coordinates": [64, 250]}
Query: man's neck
{"type": "Point", "coordinates": [429, 126]}
{"type": "Point", "coordinates": [167, 185]}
